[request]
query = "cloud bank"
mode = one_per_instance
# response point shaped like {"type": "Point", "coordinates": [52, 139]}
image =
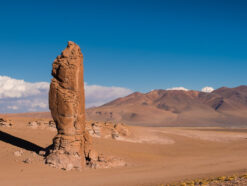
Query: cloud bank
{"type": "Point", "coordinates": [20, 96]}
{"type": "Point", "coordinates": [13, 88]}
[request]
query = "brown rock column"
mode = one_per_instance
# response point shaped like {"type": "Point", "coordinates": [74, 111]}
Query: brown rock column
{"type": "Point", "coordinates": [72, 145]}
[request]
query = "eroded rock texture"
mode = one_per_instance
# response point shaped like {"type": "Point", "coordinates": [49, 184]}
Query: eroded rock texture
{"type": "Point", "coordinates": [72, 145]}
{"type": "Point", "coordinates": [5, 122]}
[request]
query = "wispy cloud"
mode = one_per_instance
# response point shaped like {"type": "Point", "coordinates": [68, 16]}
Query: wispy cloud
{"type": "Point", "coordinates": [97, 95]}
{"type": "Point", "coordinates": [178, 88]}
{"type": "Point", "coordinates": [21, 96]}
{"type": "Point", "coordinates": [204, 89]}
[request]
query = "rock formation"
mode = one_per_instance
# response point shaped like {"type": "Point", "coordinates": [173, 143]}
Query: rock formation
{"type": "Point", "coordinates": [107, 130]}
{"type": "Point", "coordinates": [5, 122]}
{"type": "Point", "coordinates": [72, 145]}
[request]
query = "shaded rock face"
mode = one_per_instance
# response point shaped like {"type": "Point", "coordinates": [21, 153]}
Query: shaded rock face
{"type": "Point", "coordinates": [72, 145]}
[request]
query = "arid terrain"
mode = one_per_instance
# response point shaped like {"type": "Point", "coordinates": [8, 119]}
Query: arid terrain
{"type": "Point", "coordinates": [123, 93]}
{"type": "Point", "coordinates": [153, 155]}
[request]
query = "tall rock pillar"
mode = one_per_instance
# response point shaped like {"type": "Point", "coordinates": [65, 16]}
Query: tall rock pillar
{"type": "Point", "coordinates": [72, 144]}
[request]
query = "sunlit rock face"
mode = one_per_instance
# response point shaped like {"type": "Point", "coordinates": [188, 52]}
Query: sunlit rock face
{"type": "Point", "coordinates": [72, 144]}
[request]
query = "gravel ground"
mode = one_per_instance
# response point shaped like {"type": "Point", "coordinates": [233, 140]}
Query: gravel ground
{"type": "Point", "coordinates": [219, 181]}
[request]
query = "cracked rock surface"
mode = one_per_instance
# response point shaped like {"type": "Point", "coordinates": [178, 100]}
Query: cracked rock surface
{"type": "Point", "coordinates": [72, 144]}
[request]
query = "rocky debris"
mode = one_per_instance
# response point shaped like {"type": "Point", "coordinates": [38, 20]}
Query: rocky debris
{"type": "Point", "coordinates": [42, 153]}
{"type": "Point", "coordinates": [42, 124]}
{"type": "Point", "coordinates": [95, 130]}
{"type": "Point", "coordinates": [217, 181]}
{"type": "Point", "coordinates": [33, 154]}
{"type": "Point", "coordinates": [68, 167]}
{"type": "Point", "coordinates": [18, 153]}
{"type": "Point", "coordinates": [122, 129]}
{"type": "Point", "coordinates": [5, 122]}
{"type": "Point", "coordinates": [28, 161]}
{"type": "Point", "coordinates": [72, 144]}
{"type": "Point", "coordinates": [107, 163]}
{"type": "Point", "coordinates": [34, 124]}
{"type": "Point", "coordinates": [52, 124]}
{"type": "Point", "coordinates": [97, 161]}
{"type": "Point", "coordinates": [114, 134]}
{"type": "Point", "coordinates": [107, 129]}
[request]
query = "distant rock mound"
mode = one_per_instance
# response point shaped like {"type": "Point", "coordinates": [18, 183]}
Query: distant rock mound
{"type": "Point", "coordinates": [4, 122]}
{"type": "Point", "coordinates": [107, 129]}
{"type": "Point", "coordinates": [42, 124]}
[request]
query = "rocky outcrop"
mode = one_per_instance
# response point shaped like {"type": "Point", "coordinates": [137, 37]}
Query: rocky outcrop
{"type": "Point", "coordinates": [5, 122]}
{"type": "Point", "coordinates": [107, 130]}
{"type": "Point", "coordinates": [42, 124]}
{"type": "Point", "coordinates": [72, 145]}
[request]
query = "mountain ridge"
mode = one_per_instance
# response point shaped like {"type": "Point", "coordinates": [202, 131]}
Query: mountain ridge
{"type": "Point", "coordinates": [223, 106]}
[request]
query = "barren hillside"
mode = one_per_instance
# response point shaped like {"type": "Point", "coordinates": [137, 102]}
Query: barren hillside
{"type": "Point", "coordinates": [222, 107]}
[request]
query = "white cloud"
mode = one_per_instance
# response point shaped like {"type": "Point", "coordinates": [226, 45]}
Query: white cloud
{"type": "Point", "coordinates": [13, 88]}
{"type": "Point", "coordinates": [177, 88]}
{"type": "Point", "coordinates": [97, 95]}
{"type": "Point", "coordinates": [207, 89]}
{"type": "Point", "coordinates": [20, 96]}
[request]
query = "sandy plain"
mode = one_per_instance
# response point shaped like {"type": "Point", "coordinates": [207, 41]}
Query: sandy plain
{"type": "Point", "coordinates": [154, 156]}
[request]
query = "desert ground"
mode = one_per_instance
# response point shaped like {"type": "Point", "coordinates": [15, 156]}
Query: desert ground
{"type": "Point", "coordinates": [153, 155]}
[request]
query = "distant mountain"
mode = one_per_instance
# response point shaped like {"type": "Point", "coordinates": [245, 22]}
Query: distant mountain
{"type": "Point", "coordinates": [222, 107]}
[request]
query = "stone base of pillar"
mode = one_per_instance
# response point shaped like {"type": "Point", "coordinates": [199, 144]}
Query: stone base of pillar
{"type": "Point", "coordinates": [67, 153]}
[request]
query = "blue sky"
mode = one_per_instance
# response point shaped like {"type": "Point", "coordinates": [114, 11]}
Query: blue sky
{"type": "Point", "coordinates": [139, 45]}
